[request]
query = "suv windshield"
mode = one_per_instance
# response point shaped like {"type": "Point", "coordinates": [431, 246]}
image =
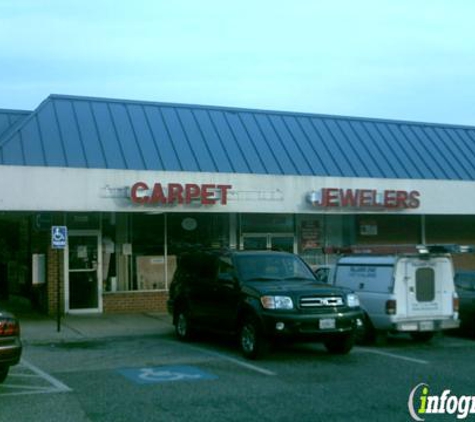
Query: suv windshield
{"type": "Point", "coordinates": [272, 267]}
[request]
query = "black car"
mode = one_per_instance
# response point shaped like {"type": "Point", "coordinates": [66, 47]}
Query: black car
{"type": "Point", "coordinates": [10, 344]}
{"type": "Point", "coordinates": [260, 296]}
{"type": "Point", "coordinates": [465, 285]}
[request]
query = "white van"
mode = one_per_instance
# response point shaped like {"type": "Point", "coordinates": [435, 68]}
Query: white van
{"type": "Point", "coordinates": [411, 293]}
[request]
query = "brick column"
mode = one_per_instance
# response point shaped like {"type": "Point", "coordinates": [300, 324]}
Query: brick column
{"type": "Point", "coordinates": [55, 262]}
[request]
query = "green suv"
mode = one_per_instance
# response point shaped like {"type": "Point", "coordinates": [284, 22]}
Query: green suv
{"type": "Point", "coordinates": [261, 296]}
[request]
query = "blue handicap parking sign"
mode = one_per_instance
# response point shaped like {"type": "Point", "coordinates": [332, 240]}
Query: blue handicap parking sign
{"type": "Point", "coordinates": [165, 374]}
{"type": "Point", "coordinates": [59, 237]}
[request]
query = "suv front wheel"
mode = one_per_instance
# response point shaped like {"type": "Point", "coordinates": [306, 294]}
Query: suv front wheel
{"type": "Point", "coordinates": [251, 339]}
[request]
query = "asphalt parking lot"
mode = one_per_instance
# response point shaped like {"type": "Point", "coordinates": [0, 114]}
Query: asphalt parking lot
{"type": "Point", "coordinates": [157, 378]}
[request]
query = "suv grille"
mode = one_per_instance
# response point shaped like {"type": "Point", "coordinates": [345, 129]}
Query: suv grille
{"type": "Point", "coordinates": [320, 302]}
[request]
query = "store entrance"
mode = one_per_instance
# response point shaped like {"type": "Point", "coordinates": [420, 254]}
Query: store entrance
{"type": "Point", "coordinates": [271, 241]}
{"type": "Point", "coordinates": [83, 262]}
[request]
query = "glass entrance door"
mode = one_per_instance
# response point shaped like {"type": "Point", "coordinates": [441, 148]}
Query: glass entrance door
{"type": "Point", "coordinates": [83, 269]}
{"type": "Point", "coordinates": [254, 242]}
{"type": "Point", "coordinates": [272, 241]}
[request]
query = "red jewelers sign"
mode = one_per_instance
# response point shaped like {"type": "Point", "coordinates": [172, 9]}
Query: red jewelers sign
{"type": "Point", "coordinates": [177, 193]}
{"type": "Point", "coordinates": [364, 198]}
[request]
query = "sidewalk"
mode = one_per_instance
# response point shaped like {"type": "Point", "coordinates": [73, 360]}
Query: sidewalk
{"type": "Point", "coordinates": [40, 329]}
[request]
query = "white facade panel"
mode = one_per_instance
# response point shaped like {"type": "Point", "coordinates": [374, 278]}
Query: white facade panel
{"type": "Point", "coordinates": [66, 189]}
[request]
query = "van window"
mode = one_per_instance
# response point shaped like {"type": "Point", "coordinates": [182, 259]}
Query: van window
{"type": "Point", "coordinates": [425, 284]}
{"type": "Point", "coordinates": [371, 278]}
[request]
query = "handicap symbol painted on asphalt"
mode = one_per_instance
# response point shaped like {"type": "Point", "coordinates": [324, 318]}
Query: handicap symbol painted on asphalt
{"type": "Point", "coordinates": [165, 374]}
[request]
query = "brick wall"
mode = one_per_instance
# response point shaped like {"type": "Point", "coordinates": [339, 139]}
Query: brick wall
{"type": "Point", "coordinates": [124, 302]}
{"type": "Point", "coordinates": [54, 260]}
{"type": "Point", "coordinates": [44, 296]}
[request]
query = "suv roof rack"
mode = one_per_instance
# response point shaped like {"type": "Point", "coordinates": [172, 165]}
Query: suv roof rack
{"type": "Point", "coordinates": [399, 249]}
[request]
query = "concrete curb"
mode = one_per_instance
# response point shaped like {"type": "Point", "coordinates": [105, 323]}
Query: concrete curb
{"type": "Point", "coordinates": [73, 328]}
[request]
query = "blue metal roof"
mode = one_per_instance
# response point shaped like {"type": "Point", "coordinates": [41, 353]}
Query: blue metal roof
{"type": "Point", "coordinates": [8, 118]}
{"type": "Point", "coordinates": [82, 132]}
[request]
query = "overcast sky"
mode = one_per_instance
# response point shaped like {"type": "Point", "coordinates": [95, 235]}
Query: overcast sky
{"type": "Point", "coordinates": [397, 59]}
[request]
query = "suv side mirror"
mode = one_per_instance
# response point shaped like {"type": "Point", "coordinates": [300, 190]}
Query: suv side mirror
{"type": "Point", "coordinates": [321, 274]}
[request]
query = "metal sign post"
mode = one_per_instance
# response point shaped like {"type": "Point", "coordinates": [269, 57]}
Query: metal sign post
{"type": "Point", "coordinates": [59, 240]}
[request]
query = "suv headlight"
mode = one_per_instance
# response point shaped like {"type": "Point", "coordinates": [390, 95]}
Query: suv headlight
{"type": "Point", "coordinates": [277, 302]}
{"type": "Point", "coordinates": [352, 300]}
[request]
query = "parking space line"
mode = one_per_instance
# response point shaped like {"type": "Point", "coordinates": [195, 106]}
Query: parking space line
{"type": "Point", "coordinates": [23, 393]}
{"type": "Point", "coordinates": [26, 387]}
{"type": "Point", "coordinates": [22, 376]}
{"type": "Point", "coordinates": [233, 360]}
{"type": "Point", "coordinates": [59, 386]}
{"type": "Point", "coordinates": [392, 355]}
{"type": "Point", "coordinates": [10, 389]}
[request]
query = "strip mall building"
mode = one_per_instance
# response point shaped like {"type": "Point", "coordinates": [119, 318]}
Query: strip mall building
{"type": "Point", "coordinates": [136, 183]}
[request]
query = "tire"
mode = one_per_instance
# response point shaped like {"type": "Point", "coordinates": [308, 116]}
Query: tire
{"type": "Point", "coordinates": [422, 336]}
{"type": "Point", "coordinates": [380, 338]}
{"type": "Point", "coordinates": [3, 373]}
{"type": "Point", "coordinates": [183, 326]}
{"type": "Point", "coordinates": [340, 344]}
{"type": "Point", "coordinates": [252, 342]}
{"type": "Point", "coordinates": [366, 334]}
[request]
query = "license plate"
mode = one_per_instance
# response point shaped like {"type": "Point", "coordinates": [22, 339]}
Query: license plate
{"type": "Point", "coordinates": [327, 323]}
{"type": "Point", "coordinates": [426, 326]}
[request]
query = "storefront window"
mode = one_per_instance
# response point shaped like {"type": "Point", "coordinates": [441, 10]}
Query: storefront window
{"type": "Point", "coordinates": [311, 240]}
{"type": "Point", "coordinates": [147, 246]}
{"type": "Point", "coordinates": [109, 256]}
{"type": "Point", "coordinates": [148, 252]}
{"type": "Point", "coordinates": [319, 234]}
{"type": "Point", "coordinates": [267, 231]}
{"type": "Point", "coordinates": [267, 223]}
{"type": "Point", "coordinates": [194, 231]}
{"type": "Point", "coordinates": [388, 229]}
{"type": "Point", "coordinates": [83, 221]}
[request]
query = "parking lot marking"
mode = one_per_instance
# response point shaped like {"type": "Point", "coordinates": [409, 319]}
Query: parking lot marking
{"type": "Point", "coordinates": [393, 355]}
{"type": "Point", "coordinates": [233, 360]}
{"type": "Point", "coordinates": [54, 385]}
{"type": "Point", "coordinates": [165, 374]}
{"type": "Point", "coordinates": [23, 376]}
{"type": "Point", "coordinates": [57, 384]}
{"type": "Point", "coordinates": [26, 387]}
{"type": "Point", "coordinates": [25, 392]}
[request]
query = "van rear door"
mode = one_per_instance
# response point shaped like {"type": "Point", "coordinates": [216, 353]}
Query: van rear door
{"type": "Point", "coordinates": [428, 287]}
